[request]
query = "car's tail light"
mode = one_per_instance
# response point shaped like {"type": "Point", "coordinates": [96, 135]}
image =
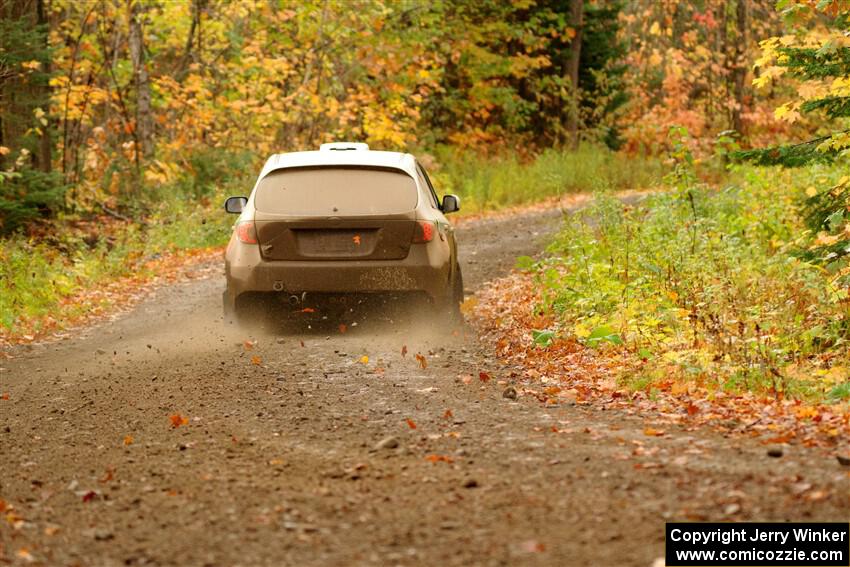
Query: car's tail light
{"type": "Point", "coordinates": [246, 232]}
{"type": "Point", "coordinates": [424, 232]}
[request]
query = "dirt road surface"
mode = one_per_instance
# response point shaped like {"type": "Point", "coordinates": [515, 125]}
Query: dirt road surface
{"type": "Point", "coordinates": [306, 455]}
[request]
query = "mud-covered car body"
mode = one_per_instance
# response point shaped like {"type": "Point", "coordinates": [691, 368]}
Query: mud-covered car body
{"type": "Point", "coordinates": [340, 220]}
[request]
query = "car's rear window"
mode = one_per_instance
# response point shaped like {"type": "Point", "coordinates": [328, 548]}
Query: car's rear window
{"type": "Point", "coordinates": [336, 191]}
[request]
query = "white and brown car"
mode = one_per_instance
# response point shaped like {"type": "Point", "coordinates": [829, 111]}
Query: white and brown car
{"type": "Point", "coordinates": [343, 220]}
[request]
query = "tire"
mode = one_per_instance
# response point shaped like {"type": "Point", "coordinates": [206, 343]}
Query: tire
{"type": "Point", "coordinates": [449, 307]}
{"type": "Point", "coordinates": [250, 311]}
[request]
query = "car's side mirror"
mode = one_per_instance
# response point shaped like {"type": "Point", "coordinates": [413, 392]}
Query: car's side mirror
{"type": "Point", "coordinates": [234, 205]}
{"type": "Point", "coordinates": [451, 204]}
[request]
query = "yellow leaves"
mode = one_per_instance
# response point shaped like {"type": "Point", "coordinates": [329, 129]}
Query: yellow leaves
{"type": "Point", "coordinates": [364, 359]}
{"type": "Point", "coordinates": [811, 191]}
{"type": "Point", "coordinates": [655, 29]}
{"type": "Point", "coordinates": [787, 112]}
{"type": "Point", "coordinates": [4, 151]}
{"type": "Point", "coordinates": [33, 65]}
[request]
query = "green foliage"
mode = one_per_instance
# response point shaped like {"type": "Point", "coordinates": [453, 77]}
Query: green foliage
{"type": "Point", "coordinates": [28, 194]}
{"type": "Point", "coordinates": [702, 284]}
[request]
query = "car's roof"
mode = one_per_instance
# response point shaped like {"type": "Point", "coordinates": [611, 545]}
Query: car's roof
{"type": "Point", "coordinates": [334, 157]}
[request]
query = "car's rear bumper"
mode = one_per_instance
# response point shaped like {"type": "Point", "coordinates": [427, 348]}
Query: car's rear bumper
{"type": "Point", "coordinates": [426, 269]}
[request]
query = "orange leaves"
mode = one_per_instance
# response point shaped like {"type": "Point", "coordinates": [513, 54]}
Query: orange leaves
{"type": "Point", "coordinates": [410, 423]}
{"type": "Point", "coordinates": [177, 420]}
{"type": "Point", "coordinates": [356, 239]}
{"type": "Point", "coordinates": [4, 396]}
{"type": "Point", "coordinates": [342, 327]}
{"type": "Point", "coordinates": [403, 351]}
{"type": "Point", "coordinates": [434, 459]}
{"type": "Point", "coordinates": [128, 440]}
{"type": "Point", "coordinates": [649, 431]}
{"type": "Point", "coordinates": [448, 414]}
{"type": "Point", "coordinates": [483, 376]}
{"type": "Point", "coordinates": [256, 360]}
{"type": "Point", "coordinates": [249, 345]}
{"type": "Point", "coordinates": [423, 364]}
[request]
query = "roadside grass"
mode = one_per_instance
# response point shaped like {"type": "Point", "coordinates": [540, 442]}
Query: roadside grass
{"type": "Point", "coordinates": [45, 274]}
{"type": "Point", "coordinates": [704, 287]}
{"type": "Point", "coordinates": [491, 183]}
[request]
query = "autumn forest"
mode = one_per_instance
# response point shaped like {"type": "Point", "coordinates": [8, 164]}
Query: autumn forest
{"type": "Point", "coordinates": [655, 221]}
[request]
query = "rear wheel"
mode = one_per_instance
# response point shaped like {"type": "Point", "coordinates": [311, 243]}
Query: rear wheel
{"type": "Point", "coordinates": [449, 307]}
{"type": "Point", "coordinates": [250, 310]}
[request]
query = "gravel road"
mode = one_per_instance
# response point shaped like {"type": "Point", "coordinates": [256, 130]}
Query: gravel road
{"type": "Point", "coordinates": [296, 452]}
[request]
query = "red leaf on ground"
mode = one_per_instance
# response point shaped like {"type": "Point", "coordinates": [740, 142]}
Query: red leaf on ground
{"type": "Point", "coordinates": [308, 310]}
{"type": "Point", "coordinates": [342, 327]}
{"type": "Point", "coordinates": [410, 423]}
{"type": "Point", "coordinates": [483, 376]}
{"type": "Point", "coordinates": [448, 414]}
{"type": "Point", "coordinates": [89, 496]}
{"type": "Point", "coordinates": [403, 351]}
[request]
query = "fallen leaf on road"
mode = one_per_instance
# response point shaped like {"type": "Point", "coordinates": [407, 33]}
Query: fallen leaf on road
{"type": "Point", "coordinates": [532, 546]}
{"type": "Point", "coordinates": [107, 476]}
{"type": "Point", "coordinates": [4, 396]}
{"type": "Point", "coordinates": [308, 310]}
{"type": "Point", "coordinates": [128, 440]}
{"type": "Point", "coordinates": [439, 459]}
{"type": "Point", "coordinates": [364, 359]}
{"type": "Point", "coordinates": [342, 327]}
{"type": "Point", "coordinates": [256, 360]}
{"type": "Point", "coordinates": [177, 420]}
{"type": "Point", "coordinates": [249, 345]}
{"type": "Point", "coordinates": [403, 351]}
{"type": "Point", "coordinates": [466, 379]}
{"type": "Point", "coordinates": [23, 553]}
{"type": "Point", "coordinates": [410, 423]}
{"type": "Point", "coordinates": [483, 376]}
{"type": "Point", "coordinates": [448, 414]}
{"type": "Point", "coordinates": [692, 409]}
{"type": "Point", "coordinates": [89, 496]}
{"type": "Point", "coordinates": [275, 462]}
{"type": "Point", "coordinates": [653, 432]}
{"type": "Point", "coordinates": [422, 362]}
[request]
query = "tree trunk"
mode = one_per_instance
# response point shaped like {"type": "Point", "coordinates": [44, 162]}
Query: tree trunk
{"type": "Point", "coordinates": [45, 145]}
{"type": "Point", "coordinates": [577, 21]}
{"type": "Point", "coordinates": [741, 66]}
{"type": "Point", "coordinates": [144, 121]}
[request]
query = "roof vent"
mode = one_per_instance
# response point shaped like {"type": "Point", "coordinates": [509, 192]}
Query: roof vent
{"type": "Point", "coordinates": [344, 146]}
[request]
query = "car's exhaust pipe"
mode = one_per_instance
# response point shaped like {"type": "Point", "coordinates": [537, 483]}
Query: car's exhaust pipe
{"type": "Point", "coordinates": [294, 300]}
{"type": "Point", "coordinates": [277, 285]}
